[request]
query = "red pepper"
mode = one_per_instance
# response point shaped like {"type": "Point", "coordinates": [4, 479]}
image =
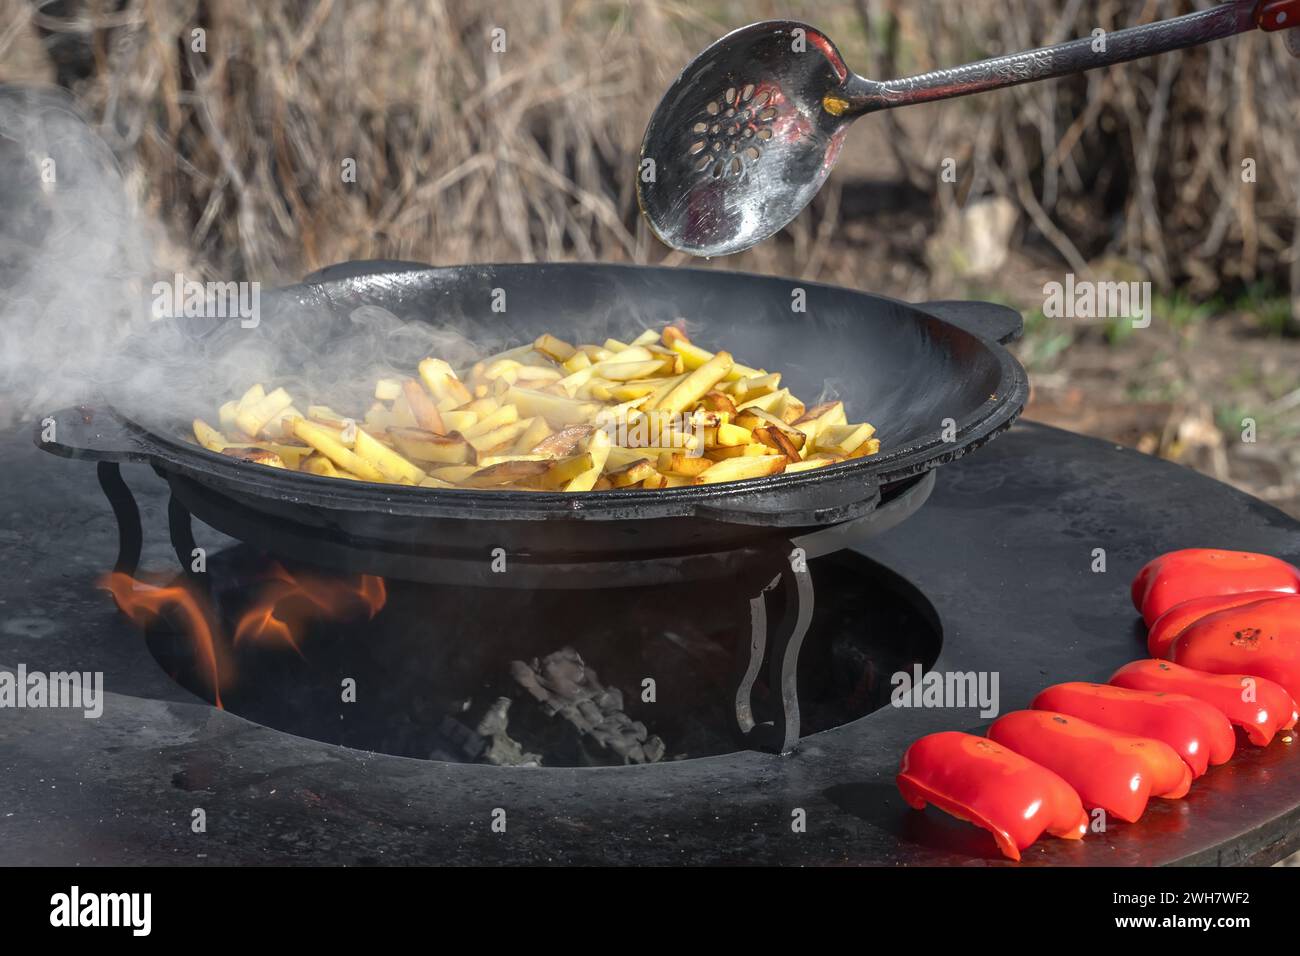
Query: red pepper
{"type": "Point", "coordinates": [1198, 572]}
{"type": "Point", "coordinates": [978, 781]}
{"type": "Point", "coordinates": [1178, 618]}
{"type": "Point", "coordinates": [1258, 706]}
{"type": "Point", "coordinates": [1261, 639]}
{"type": "Point", "coordinates": [1196, 730]}
{"type": "Point", "coordinates": [1114, 771]}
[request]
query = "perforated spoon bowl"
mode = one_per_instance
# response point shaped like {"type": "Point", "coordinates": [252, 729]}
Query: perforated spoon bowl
{"type": "Point", "coordinates": [750, 130]}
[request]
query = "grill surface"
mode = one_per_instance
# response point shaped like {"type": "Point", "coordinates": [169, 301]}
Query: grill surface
{"type": "Point", "coordinates": [1003, 551]}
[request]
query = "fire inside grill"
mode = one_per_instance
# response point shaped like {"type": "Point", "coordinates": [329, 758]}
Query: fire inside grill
{"type": "Point", "coordinates": [515, 678]}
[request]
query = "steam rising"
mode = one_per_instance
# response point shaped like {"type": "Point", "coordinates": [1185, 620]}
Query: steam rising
{"type": "Point", "coordinates": [72, 255]}
{"type": "Point", "coordinates": [79, 283]}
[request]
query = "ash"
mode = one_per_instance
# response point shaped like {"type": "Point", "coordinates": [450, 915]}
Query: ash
{"type": "Point", "coordinates": [564, 685]}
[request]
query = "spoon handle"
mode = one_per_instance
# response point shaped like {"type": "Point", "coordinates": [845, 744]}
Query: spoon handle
{"type": "Point", "coordinates": [1063, 59]}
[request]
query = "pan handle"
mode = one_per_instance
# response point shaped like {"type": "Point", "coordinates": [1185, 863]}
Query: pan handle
{"type": "Point", "coordinates": [833, 498]}
{"type": "Point", "coordinates": [88, 433]}
{"type": "Point", "coordinates": [985, 319]}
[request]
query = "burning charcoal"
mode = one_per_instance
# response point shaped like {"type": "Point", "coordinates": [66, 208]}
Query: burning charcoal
{"type": "Point", "coordinates": [503, 751]}
{"type": "Point", "coordinates": [466, 744]}
{"type": "Point", "coordinates": [563, 684]}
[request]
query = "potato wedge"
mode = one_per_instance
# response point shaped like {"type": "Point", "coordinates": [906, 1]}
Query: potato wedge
{"type": "Point", "coordinates": [391, 464]}
{"type": "Point", "coordinates": [252, 417]}
{"type": "Point", "coordinates": [818, 417]}
{"type": "Point", "coordinates": [504, 415]}
{"type": "Point", "coordinates": [425, 446]}
{"type": "Point", "coordinates": [327, 443]}
{"type": "Point", "coordinates": [738, 469]}
{"type": "Point", "coordinates": [598, 448]}
{"type": "Point", "coordinates": [563, 442]}
{"type": "Point", "coordinates": [631, 474]}
{"type": "Point", "coordinates": [536, 432]}
{"type": "Point", "coordinates": [776, 438]}
{"type": "Point", "coordinates": [453, 473]}
{"type": "Point", "coordinates": [423, 409]}
{"type": "Point", "coordinates": [557, 411]}
{"type": "Point", "coordinates": [208, 437]}
{"type": "Point", "coordinates": [487, 442]}
{"type": "Point", "coordinates": [506, 472]}
{"type": "Point", "coordinates": [678, 463]}
{"type": "Point", "coordinates": [226, 417]}
{"type": "Point", "coordinates": [554, 348]}
{"type": "Point", "coordinates": [564, 470]}
{"type": "Point", "coordinates": [843, 439]}
{"type": "Point", "coordinates": [692, 388]}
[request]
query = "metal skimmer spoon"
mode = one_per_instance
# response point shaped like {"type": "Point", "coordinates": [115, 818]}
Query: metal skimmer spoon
{"type": "Point", "coordinates": [748, 133]}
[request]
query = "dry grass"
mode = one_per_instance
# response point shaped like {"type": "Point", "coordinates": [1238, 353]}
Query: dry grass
{"type": "Point", "coordinates": [463, 154]}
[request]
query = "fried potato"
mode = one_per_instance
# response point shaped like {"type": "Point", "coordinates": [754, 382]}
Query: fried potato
{"type": "Point", "coordinates": [387, 389]}
{"type": "Point", "coordinates": [251, 417]}
{"type": "Point", "coordinates": [842, 439]}
{"type": "Point", "coordinates": [564, 470]}
{"type": "Point", "coordinates": [506, 472]}
{"type": "Point", "coordinates": [695, 385]}
{"type": "Point", "coordinates": [725, 435]}
{"type": "Point", "coordinates": [557, 410]}
{"type": "Point", "coordinates": [207, 436]}
{"type": "Point", "coordinates": [737, 469]}
{"type": "Point", "coordinates": [749, 388]}
{"type": "Point", "coordinates": [654, 412]}
{"type": "Point", "coordinates": [818, 417]}
{"type": "Point", "coordinates": [563, 442]}
{"type": "Point", "coordinates": [453, 473]}
{"type": "Point", "coordinates": [504, 415]}
{"type": "Point", "coordinates": [687, 466]}
{"type": "Point", "coordinates": [631, 474]}
{"type": "Point", "coordinates": [536, 432]}
{"type": "Point", "coordinates": [327, 443]}
{"type": "Point", "coordinates": [807, 464]}
{"type": "Point", "coordinates": [598, 449]}
{"type": "Point", "coordinates": [554, 348]}
{"type": "Point", "coordinates": [226, 417]}
{"type": "Point", "coordinates": [420, 445]}
{"type": "Point", "coordinates": [392, 465]}
{"type": "Point", "coordinates": [423, 409]}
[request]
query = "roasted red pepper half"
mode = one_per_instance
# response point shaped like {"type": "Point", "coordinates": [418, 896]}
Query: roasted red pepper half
{"type": "Point", "coordinates": [976, 780]}
{"type": "Point", "coordinates": [1260, 707]}
{"type": "Point", "coordinates": [1178, 618]}
{"type": "Point", "coordinates": [1114, 771]}
{"type": "Point", "coordinates": [1199, 572]}
{"type": "Point", "coordinates": [1261, 639]}
{"type": "Point", "coordinates": [1196, 730]}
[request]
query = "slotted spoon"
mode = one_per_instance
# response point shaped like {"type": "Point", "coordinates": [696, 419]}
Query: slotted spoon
{"type": "Point", "coordinates": [749, 131]}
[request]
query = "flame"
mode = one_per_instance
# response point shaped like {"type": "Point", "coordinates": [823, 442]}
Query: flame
{"type": "Point", "coordinates": [146, 602]}
{"type": "Point", "coordinates": [374, 592]}
{"type": "Point", "coordinates": [290, 601]}
{"type": "Point", "coordinates": [281, 611]}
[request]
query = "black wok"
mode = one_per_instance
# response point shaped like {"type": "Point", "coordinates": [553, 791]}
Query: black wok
{"type": "Point", "coordinates": [934, 380]}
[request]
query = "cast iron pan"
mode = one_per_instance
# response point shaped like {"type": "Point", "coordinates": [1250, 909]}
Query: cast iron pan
{"type": "Point", "coordinates": [934, 380]}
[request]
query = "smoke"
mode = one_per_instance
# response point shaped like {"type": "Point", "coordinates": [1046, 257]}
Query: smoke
{"type": "Point", "coordinates": [91, 312]}
{"type": "Point", "coordinates": [73, 254]}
